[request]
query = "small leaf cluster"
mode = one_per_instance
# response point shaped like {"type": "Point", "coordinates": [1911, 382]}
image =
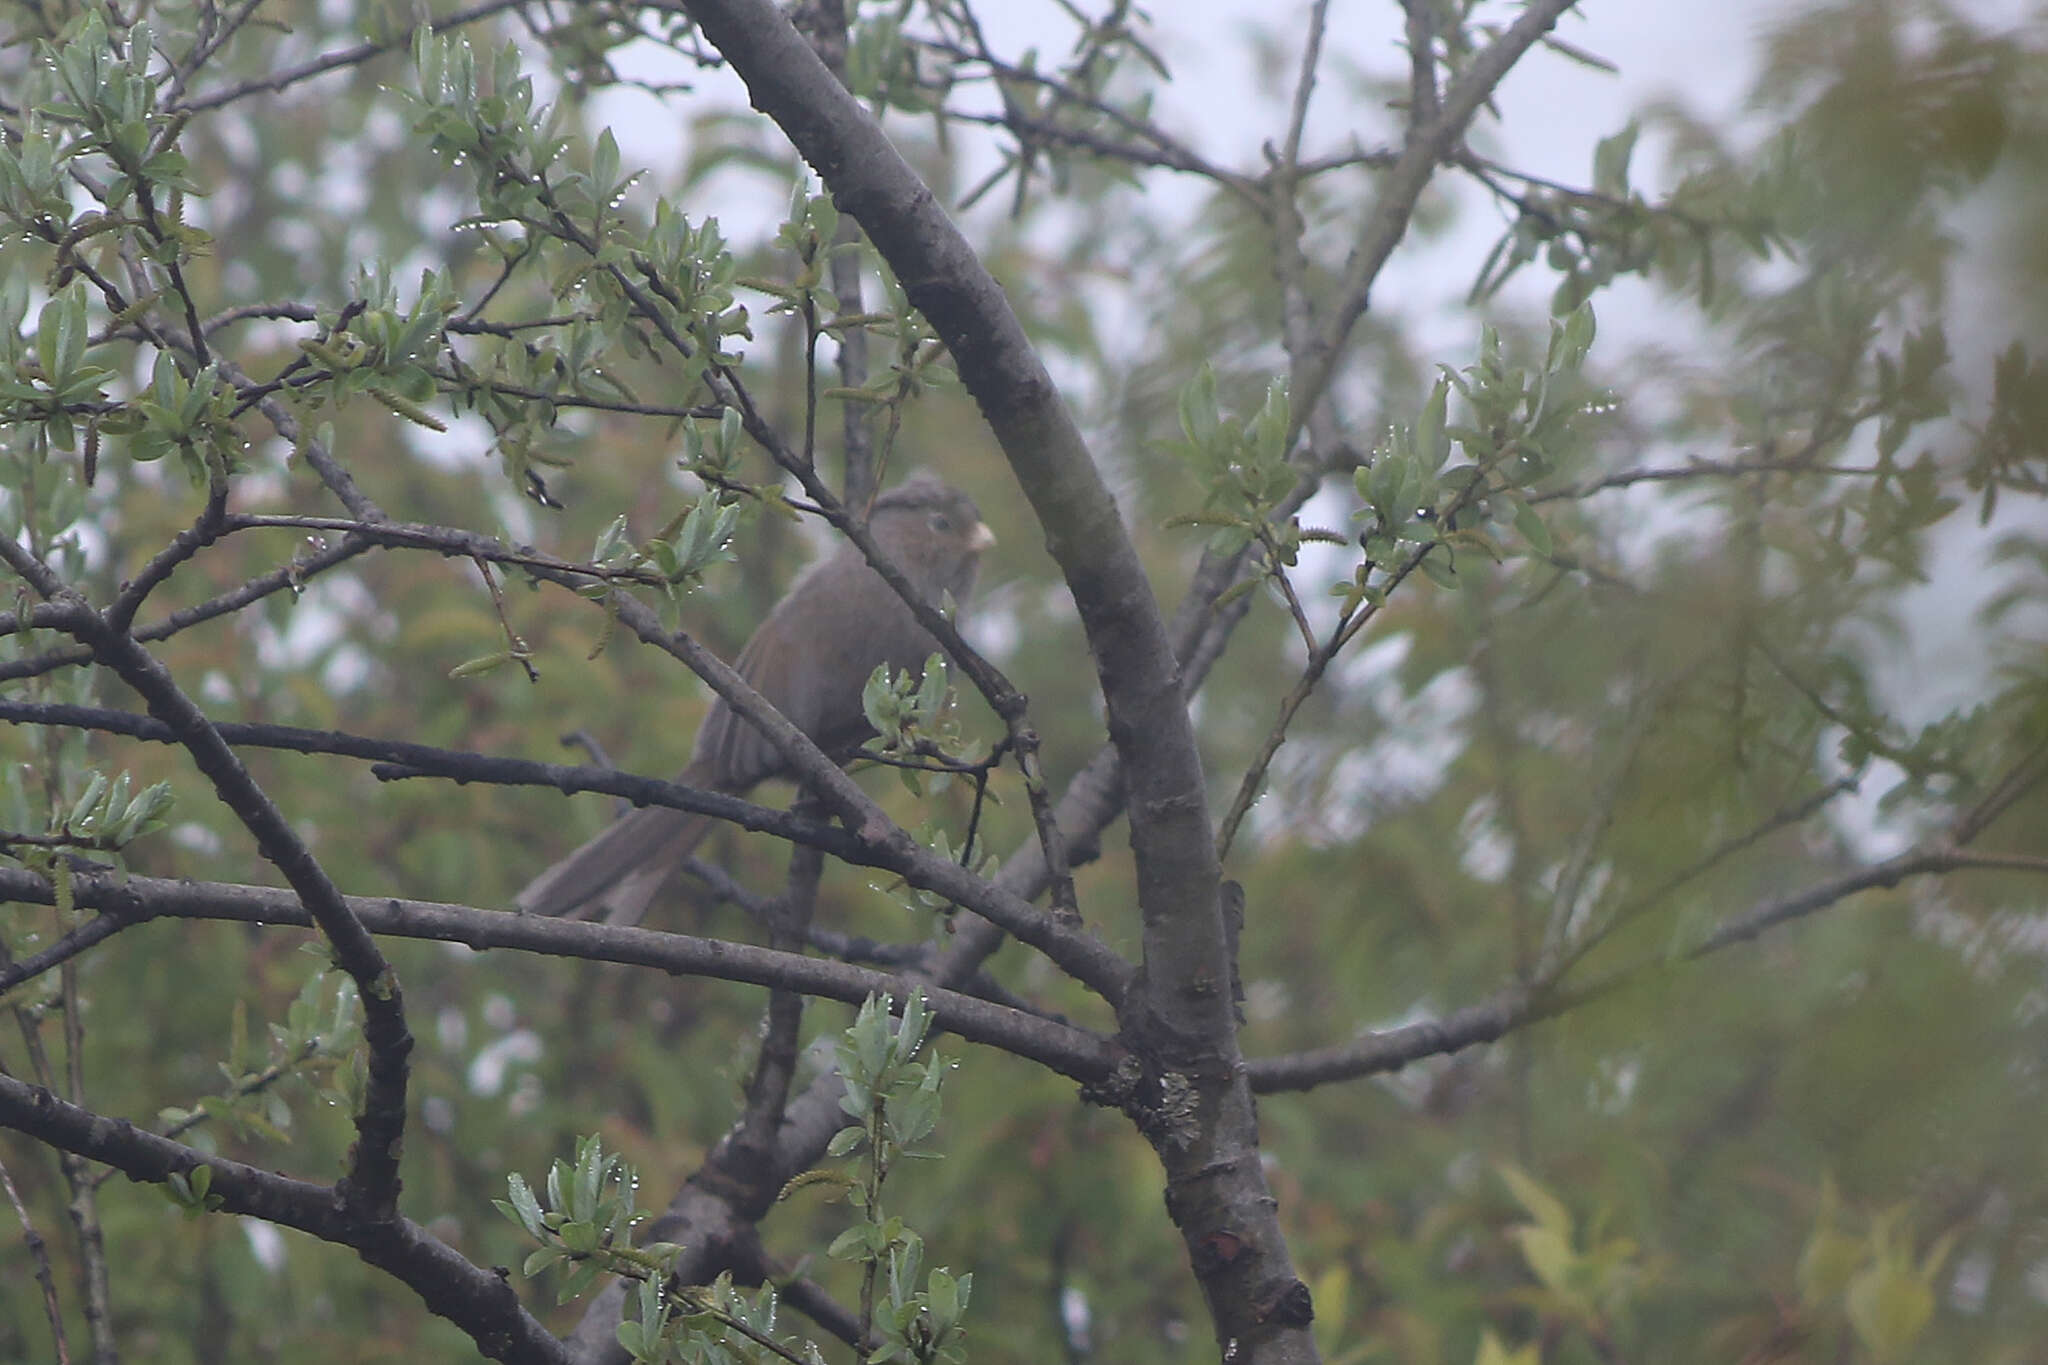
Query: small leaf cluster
{"type": "Point", "coordinates": [588, 1213]}
{"type": "Point", "coordinates": [1886, 1291]}
{"type": "Point", "coordinates": [915, 1324]}
{"type": "Point", "coordinates": [317, 1045]}
{"type": "Point", "coordinates": [106, 817]}
{"type": "Point", "coordinates": [716, 458]}
{"type": "Point", "coordinates": [587, 1224]}
{"type": "Point", "coordinates": [191, 1192]}
{"type": "Point", "coordinates": [109, 95]}
{"type": "Point", "coordinates": [1513, 428]}
{"type": "Point", "coordinates": [919, 363]}
{"type": "Point", "coordinates": [892, 1096]}
{"type": "Point", "coordinates": [1582, 1288]}
{"type": "Point", "coordinates": [587, 1220]}
{"type": "Point", "coordinates": [716, 1324]}
{"type": "Point", "coordinates": [522, 178]}
{"type": "Point", "coordinates": [892, 1093]}
{"type": "Point", "coordinates": [387, 349]}
{"type": "Point", "coordinates": [32, 179]}
{"type": "Point", "coordinates": [679, 553]}
{"type": "Point", "coordinates": [1594, 236]}
{"type": "Point", "coordinates": [692, 275]}
{"type": "Point", "coordinates": [882, 66]}
{"type": "Point", "coordinates": [190, 418]}
{"type": "Point", "coordinates": [1241, 464]}
{"type": "Point", "coordinates": [90, 111]}
{"type": "Point", "coordinates": [906, 706]}
{"type": "Point", "coordinates": [2013, 450]}
{"type": "Point", "coordinates": [973, 854]}
{"type": "Point", "coordinates": [808, 233]}
{"type": "Point", "coordinates": [486, 120]}
{"type": "Point", "coordinates": [622, 284]}
{"type": "Point", "coordinates": [50, 383]}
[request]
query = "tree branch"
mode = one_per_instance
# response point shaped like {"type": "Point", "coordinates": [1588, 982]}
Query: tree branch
{"type": "Point", "coordinates": [1181, 1020]}
{"type": "Point", "coordinates": [371, 1188]}
{"type": "Point", "coordinates": [1518, 1005]}
{"type": "Point", "coordinates": [1430, 141]}
{"type": "Point", "coordinates": [479, 1302]}
{"type": "Point", "coordinates": [1085, 957]}
{"type": "Point", "coordinates": [131, 901]}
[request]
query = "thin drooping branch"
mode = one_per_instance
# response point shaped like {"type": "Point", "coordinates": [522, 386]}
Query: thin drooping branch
{"type": "Point", "coordinates": [291, 576]}
{"type": "Point", "coordinates": [39, 1256]}
{"type": "Point", "coordinates": [1392, 1049]}
{"type": "Point", "coordinates": [476, 1300]}
{"type": "Point", "coordinates": [83, 1207]}
{"type": "Point", "coordinates": [721, 887]}
{"type": "Point", "coordinates": [1155, 146]}
{"type": "Point", "coordinates": [826, 24]}
{"type": "Point", "coordinates": [1527, 1002]}
{"type": "Point", "coordinates": [1700, 469]}
{"type": "Point", "coordinates": [1421, 40]}
{"type": "Point", "coordinates": [446, 540]}
{"type": "Point", "coordinates": [1795, 813]}
{"type": "Point", "coordinates": [133, 901]}
{"type": "Point", "coordinates": [1519, 1005]}
{"type": "Point", "coordinates": [204, 531]}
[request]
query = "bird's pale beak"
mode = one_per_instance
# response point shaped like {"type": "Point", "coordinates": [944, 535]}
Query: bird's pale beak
{"type": "Point", "coordinates": [980, 538]}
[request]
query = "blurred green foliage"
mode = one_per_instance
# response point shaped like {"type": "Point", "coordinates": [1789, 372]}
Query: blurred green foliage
{"type": "Point", "coordinates": [1821, 1147]}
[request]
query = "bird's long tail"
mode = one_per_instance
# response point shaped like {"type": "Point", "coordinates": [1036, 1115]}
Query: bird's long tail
{"type": "Point", "coordinates": [616, 875]}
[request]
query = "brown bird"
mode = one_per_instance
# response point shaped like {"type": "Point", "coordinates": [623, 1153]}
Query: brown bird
{"type": "Point", "coordinates": [810, 659]}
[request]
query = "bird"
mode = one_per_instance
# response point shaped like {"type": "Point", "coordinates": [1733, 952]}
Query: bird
{"type": "Point", "coordinates": [810, 659]}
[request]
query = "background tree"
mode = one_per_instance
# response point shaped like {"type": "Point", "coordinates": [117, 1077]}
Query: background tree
{"type": "Point", "coordinates": [364, 413]}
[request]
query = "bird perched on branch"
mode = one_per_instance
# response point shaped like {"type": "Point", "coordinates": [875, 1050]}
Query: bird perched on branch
{"type": "Point", "coordinates": [811, 658]}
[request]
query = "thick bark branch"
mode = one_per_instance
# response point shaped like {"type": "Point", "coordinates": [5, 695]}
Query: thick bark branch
{"type": "Point", "coordinates": [1192, 1103]}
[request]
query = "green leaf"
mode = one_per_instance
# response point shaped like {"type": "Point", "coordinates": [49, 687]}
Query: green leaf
{"type": "Point", "coordinates": [483, 663]}
{"type": "Point", "coordinates": [1198, 413]}
{"type": "Point", "coordinates": [1889, 1305]}
{"type": "Point", "coordinates": [1571, 340]}
{"type": "Point", "coordinates": [1546, 1208]}
{"type": "Point", "coordinates": [854, 1243]}
{"type": "Point", "coordinates": [604, 163]}
{"type": "Point", "coordinates": [1530, 526]}
{"type": "Point", "coordinates": [1431, 444]}
{"type": "Point", "coordinates": [88, 801]}
{"type": "Point", "coordinates": [524, 1208]}
{"type": "Point", "coordinates": [1610, 161]}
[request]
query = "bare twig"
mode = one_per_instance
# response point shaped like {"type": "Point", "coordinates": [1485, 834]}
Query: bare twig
{"type": "Point", "coordinates": [39, 1257]}
{"type": "Point", "coordinates": [278, 81]}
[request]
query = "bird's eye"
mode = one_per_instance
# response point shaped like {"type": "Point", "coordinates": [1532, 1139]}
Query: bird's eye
{"type": "Point", "coordinates": [941, 522]}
